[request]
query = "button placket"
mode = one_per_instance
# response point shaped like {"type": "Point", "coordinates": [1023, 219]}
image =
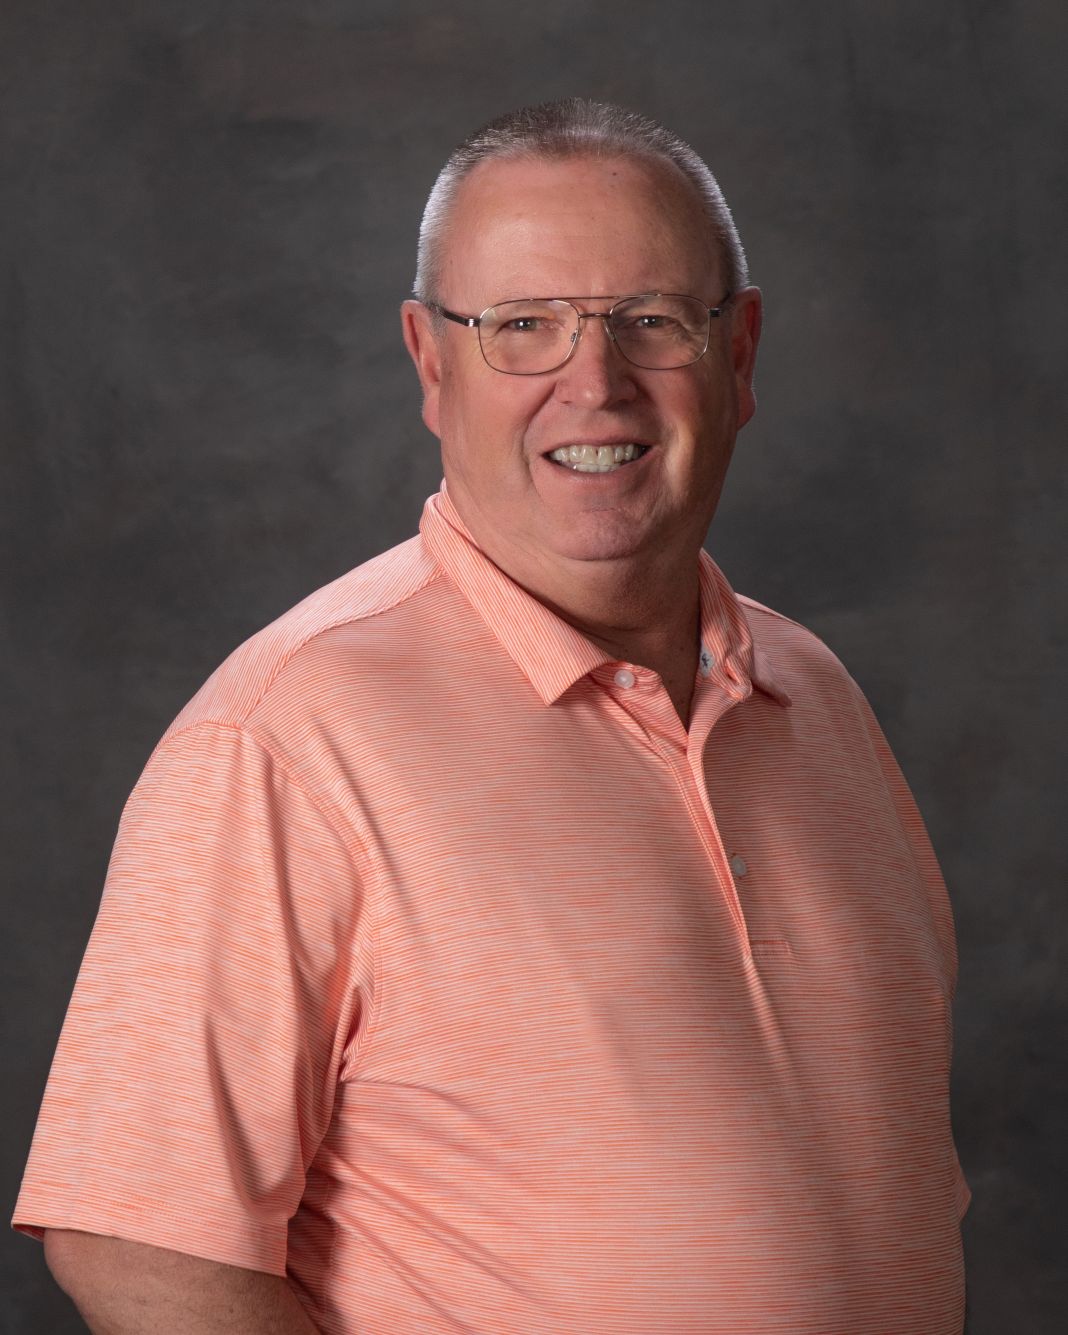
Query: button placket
{"type": "Point", "coordinates": [690, 781]}
{"type": "Point", "coordinates": [677, 752]}
{"type": "Point", "coordinates": [726, 868]}
{"type": "Point", "coordinates": [643, 697]}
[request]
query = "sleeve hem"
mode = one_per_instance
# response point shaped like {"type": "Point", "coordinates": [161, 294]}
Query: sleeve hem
{"type": "Point", "coordinates": [209, 1236]}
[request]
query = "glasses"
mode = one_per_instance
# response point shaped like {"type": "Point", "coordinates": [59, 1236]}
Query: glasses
{"type": "Point", "coordinates": [658, 331]}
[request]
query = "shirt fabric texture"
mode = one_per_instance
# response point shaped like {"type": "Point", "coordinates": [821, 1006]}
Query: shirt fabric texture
{"type": "Point", "coordinates": [442, 969]}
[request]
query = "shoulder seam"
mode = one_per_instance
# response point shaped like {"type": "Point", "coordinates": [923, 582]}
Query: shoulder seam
{"type": "Point", "coordinates": [230, 725]}
{"type": "Point", "coordinates": [434, 574]}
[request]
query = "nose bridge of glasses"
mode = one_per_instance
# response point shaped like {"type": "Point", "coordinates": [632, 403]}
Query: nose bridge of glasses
{"type": "Point", "coordinates": [604, 316]}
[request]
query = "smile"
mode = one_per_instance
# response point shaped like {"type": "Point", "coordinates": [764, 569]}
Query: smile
{"type": "Point", "coordinates": [596, 458]}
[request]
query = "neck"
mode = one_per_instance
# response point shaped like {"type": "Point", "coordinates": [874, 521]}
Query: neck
{"type": "Point", "coordinates": [666, 639]}
{"type": "Point", "coordinates": [642, 610]}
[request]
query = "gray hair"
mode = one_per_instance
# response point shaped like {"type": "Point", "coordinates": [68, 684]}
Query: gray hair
{"type": "Point", "coordinates": [572, 127]}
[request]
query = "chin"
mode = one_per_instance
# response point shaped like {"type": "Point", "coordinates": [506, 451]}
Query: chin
{"type": "Point", "coordinates": [607, 542]}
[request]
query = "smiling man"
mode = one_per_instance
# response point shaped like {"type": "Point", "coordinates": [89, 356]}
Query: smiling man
{"type": "Point", "coordinates": [526, 934]}
{"type": "Point", "coordinates": [585, 441]}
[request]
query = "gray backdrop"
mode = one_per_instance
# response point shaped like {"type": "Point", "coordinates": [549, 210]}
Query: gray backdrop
{"type": "Point", "coordinates": [207, 220]}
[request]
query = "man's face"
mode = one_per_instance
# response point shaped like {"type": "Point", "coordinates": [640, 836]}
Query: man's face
{"type": "Point", "coordinates": [573, 228]}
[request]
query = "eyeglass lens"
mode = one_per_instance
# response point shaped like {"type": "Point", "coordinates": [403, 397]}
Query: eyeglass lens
{"type": "Point", "coordinates": [657, 332]}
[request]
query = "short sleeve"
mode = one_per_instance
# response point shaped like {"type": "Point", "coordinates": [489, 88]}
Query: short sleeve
{"type": "Point", "coordinates": [195, 1074]}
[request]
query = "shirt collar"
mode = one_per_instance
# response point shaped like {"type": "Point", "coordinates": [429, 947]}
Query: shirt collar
{"type": "Point", "coordinates": [552, 654]}
{"type": "Point", "coordinates": [726, 634]}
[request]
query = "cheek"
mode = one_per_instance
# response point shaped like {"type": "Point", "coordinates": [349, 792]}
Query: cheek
{"type": "Point", "coordinates": [688, 408]}
{"type": "Point", "coordinates": [714, 403]}
{"type": "Point", "coordinates": [482, 437]}
{"type": "Point", "coordinates": [462, 416]}
{"type": "Point", "coordinates": [486, 418]}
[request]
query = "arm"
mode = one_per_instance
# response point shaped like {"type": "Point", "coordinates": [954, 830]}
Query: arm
{"type": "Point", "coordinates": [128, 1288]}
{"type": "Point", "coordinates": [198, 1066]}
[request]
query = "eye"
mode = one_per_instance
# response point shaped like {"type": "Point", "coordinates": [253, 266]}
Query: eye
{"type": "Point", "coordinates": [650, 322]}
{"type": "Point", "coordinates": [523, 324]}
{"type": "Point", "coordinates": [662, 322]}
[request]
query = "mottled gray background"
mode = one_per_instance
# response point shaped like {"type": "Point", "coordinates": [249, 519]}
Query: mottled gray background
{"type": "Point", "coordinates": [207, 219]}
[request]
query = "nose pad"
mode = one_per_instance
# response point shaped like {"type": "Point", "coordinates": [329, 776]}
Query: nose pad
{"type": "Point", "coordinates": [600, 377]}
{"type": "Point", "coordinates": [606, 325]}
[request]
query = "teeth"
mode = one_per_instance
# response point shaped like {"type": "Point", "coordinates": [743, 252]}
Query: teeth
{"type": "Point", "coordinates": [596, 458]}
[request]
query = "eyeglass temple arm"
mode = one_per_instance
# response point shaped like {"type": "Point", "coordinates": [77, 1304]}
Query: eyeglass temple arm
{"type": "Point", "coordinates": [468, 321]}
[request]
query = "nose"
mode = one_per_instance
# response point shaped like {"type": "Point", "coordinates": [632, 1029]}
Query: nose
{"type": "Point", "coordinates": [597, 374]}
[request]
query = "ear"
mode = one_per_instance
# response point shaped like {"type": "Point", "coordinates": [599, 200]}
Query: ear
{"type": "Point", "coordinates": [746, 317]}
{"type": "Point", "coordinates": [421, 340]}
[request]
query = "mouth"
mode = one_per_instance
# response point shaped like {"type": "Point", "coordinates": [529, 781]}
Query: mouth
{"type": "Point", "coordinates": [597, 458]}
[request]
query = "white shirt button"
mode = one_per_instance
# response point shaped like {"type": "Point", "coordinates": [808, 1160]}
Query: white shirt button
{"type": "Point", "coordinates": [738, 865]}
{"type": "Point", "coordinates": [625, 678]}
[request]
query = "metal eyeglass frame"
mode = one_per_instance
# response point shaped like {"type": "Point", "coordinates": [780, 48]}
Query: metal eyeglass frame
{"type": "Point", "coordinates": [475, 322]}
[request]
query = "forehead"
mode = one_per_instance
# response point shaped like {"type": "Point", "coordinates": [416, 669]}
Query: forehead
{"type": "Point", "coordinates": [577, 227]}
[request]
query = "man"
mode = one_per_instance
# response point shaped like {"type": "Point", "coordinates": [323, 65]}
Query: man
{"type": "Point", "coordinates": [525, 934]}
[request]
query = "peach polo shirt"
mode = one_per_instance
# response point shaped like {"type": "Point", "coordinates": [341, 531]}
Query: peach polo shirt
{"type": "Point", "coordinates": [440, 968]}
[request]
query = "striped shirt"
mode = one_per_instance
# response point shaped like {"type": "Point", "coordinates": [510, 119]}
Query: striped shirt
{"type": "Point", "coordinates": [442, 969]}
